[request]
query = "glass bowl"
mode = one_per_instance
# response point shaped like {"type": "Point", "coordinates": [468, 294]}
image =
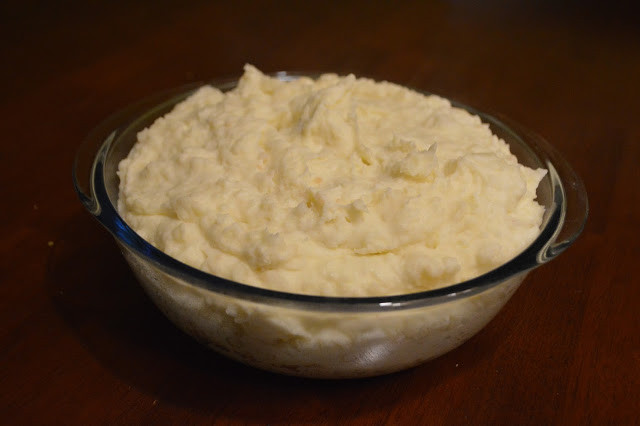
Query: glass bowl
{"type": "Point", "coordinates": [316, 336]}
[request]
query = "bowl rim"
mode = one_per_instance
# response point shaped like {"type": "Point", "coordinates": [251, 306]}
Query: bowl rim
{"type": "Point", "coordinates": [569, 206]}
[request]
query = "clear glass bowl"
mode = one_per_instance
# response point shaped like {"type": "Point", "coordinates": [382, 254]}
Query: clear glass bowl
{"type": "Point", "coordinates": [315, 336]}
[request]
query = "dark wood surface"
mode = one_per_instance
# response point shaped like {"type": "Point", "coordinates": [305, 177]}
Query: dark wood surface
{"type": "Point", "coordinates": [81, 344]}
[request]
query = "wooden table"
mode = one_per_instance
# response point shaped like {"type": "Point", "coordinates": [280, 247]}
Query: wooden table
{"type": "Point", "coordinates": [81, 344]}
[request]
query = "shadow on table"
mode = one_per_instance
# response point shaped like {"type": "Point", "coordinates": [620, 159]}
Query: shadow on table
{"type": "Point", "coordinates": [94, 291]}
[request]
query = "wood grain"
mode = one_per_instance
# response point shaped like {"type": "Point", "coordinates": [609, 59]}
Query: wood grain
{"type": "Point", "coordinates": [81, 344]}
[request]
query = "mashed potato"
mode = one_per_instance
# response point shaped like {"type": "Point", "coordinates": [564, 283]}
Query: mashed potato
{"type": "Point", "coordinates": [337, 186]}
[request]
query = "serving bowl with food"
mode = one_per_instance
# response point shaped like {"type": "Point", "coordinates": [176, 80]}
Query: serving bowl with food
{"type": "Point", "coordinates": [326, 226]}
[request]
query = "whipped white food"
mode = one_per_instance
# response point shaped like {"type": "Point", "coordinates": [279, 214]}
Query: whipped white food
{"type": "Point", "coordinates": [337, 186]}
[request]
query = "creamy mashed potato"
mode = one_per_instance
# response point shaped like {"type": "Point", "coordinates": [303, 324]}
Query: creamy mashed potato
{"type": "Point", "coordinates": [337, 186]}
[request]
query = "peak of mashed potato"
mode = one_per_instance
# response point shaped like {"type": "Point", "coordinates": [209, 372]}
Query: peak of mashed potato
{"type": "Point", "coordinates": [339, 186]}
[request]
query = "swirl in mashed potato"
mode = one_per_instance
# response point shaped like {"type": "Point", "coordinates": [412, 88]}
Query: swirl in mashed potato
{"type": "Point", "coordinates": [339, 186]}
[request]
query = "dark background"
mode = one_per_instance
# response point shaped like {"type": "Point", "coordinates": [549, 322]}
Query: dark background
{"type": "Point", "coordinates": [81, 344]}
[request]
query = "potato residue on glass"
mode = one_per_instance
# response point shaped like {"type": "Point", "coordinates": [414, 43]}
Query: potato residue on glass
{"type": "Point", "coordinates": [339, 186]}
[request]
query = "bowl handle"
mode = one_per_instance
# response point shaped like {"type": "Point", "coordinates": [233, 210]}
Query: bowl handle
{"type": "Point", "coordinates": [92, 148]}
{"type": "Point", "coordinates": [574, 209]}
